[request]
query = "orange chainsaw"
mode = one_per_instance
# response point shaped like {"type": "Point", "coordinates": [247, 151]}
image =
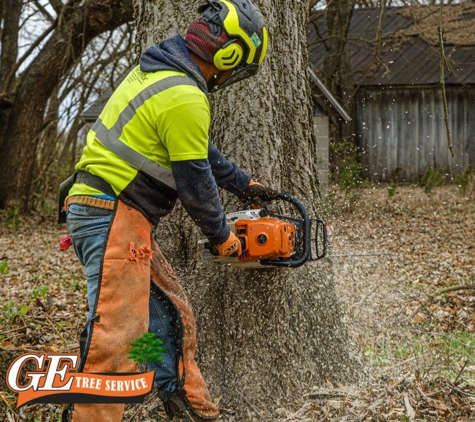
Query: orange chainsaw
{"type": "Point", "coordinates": [270, 239]}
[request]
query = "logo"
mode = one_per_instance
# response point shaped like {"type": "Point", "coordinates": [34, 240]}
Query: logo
{"type": "Point", "coordinates": [54, 381]}
{"type": "Point", "coordinates": [256, 40]}
{"type": "Point", "coordinates": [233, 247]}
{"type": "Point", "coordinates": [137, 75]}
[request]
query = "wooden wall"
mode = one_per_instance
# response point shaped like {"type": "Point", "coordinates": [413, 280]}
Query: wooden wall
{"type": "Point", "coordinates": [402, 131]}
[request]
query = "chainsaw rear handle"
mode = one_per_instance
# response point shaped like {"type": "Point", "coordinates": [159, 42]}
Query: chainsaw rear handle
{"type": "Point", "coordinates": [306, 234]}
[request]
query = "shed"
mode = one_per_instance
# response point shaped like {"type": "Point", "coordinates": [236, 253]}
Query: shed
{"type": "Point", "coordinates": [400, 117]}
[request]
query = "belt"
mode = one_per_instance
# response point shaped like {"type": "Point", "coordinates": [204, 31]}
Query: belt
{"type": "Point", "coordinates": [89, 201]}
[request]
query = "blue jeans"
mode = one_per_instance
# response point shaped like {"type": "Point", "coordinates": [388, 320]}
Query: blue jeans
{"type": "Point", "coordinates": [88, 227]}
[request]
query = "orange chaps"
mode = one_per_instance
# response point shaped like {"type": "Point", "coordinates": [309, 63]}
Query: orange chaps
{"type": "Point", "coordinates": [131, 259]}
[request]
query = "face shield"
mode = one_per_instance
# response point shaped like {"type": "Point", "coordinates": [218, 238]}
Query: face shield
{"type": "Point", "coordinates": [241, 73]}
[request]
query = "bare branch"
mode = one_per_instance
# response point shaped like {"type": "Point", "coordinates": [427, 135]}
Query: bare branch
{"type": "Point", "coordinates": [45, 13]}
{"type": "Point", "coordinates": [442, 81]}
{"type": "Point", "coordinates": [455, 288]}
{"type": "Point", "coordinates": [26, 19]}
{"type": "Point", "coordinates": [11, 75]}
{"type": "Point", "coordinates": [312, 4]}
{"type": "Point", "coordinates": [379, 32]}
{"type": "Point", "coordinates": [112, 48]}
{"type": "Point", "coordinates": [95, 68]}
{"type": "Point", "coordinates": [57, 5]}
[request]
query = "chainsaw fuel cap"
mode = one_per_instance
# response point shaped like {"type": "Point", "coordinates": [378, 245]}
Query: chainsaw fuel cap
{"type": "Point", "coordinates": [262, 239]}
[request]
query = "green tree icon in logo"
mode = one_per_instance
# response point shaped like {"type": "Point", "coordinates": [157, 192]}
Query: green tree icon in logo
{"type": "Point", "coordinates": [147, 348]}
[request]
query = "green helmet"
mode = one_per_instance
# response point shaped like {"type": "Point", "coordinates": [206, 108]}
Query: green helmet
{"type": "Point", "coordinates": [242, 21]}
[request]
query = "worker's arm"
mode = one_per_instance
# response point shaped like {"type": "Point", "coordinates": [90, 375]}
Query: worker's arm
{"type": "Point", "coordinates": [227, 174]}
{"type": "Point", "coordinates": [230, 177]}
{"type": "Point", "coordinates": [184, 132]}
{"type": "Point", "coordinates": [198, 166]}
{"type": "Point", "coordinates": [198, 193]}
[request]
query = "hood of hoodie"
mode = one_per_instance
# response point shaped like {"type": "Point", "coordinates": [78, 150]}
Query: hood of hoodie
{"type": "Point", "coordinates": [172, 54]}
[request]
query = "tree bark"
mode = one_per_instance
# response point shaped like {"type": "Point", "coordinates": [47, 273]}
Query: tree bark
{"type": "Point", "coordinates": [9, 37]}
{"type": "Point", "coordinates": [77, 24]}
{"type": "Point", "coordinates": [265, 336]}
{"type": "Point", "coordinates": [9, 41]}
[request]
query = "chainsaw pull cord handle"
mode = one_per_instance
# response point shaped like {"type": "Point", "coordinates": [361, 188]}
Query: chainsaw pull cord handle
{"type": "Point", "coordinates": [306, 236]}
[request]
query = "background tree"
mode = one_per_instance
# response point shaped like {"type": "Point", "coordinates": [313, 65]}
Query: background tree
{"type": "Point", "coordinates": [265, 336]}
{"type": "Point", "coordinates": [107, 57]}
{"type": "Point", "coordinates": [337, 76]}
{"type": "Point", "coordinates": [27, 81]}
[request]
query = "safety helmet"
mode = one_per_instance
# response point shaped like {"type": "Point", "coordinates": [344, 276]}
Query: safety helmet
{"type": "Point", "coordinates": [246, 49]}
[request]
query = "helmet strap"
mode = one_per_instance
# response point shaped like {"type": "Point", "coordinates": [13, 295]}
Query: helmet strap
{"type": "Point", "coordinates": [212, 5]}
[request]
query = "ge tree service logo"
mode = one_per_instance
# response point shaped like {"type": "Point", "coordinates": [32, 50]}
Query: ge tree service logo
{"type": "Point", "coordinates": [54, 381]}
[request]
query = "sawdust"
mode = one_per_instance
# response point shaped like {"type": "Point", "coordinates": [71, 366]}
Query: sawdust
{"type": "Point", "coordinates": [393, 257]}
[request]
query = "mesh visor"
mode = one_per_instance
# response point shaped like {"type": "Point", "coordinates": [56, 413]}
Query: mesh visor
{"type": "Point", "coordinates": [240, 74]}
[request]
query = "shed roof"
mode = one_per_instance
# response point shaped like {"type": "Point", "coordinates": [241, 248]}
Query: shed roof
{"type": "Point", "coordinates": [409, 52]}
{"type": "Point", "coordinates": [91, 113]}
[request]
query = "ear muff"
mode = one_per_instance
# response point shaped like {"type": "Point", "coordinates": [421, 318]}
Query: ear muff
{"type": "Point", "coordinates": [229, 55]}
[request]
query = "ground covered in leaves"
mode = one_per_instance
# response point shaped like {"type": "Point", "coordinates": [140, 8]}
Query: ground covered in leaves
{"type": "Point", "coordinates": [405, 272]}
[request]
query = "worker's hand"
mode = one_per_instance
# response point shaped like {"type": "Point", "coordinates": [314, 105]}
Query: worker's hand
{"type": "Point", "coordinates": [232, 246]}
{"type": "Point", "coordinates": [256, 193]}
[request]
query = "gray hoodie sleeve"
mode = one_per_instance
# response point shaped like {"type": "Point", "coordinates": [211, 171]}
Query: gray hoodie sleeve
{"type": "Point", "coordinates": [227, 174]}
{"type": "Point", "coordinates": [196, 182]}
{"type": "Point", "coordinates": [198, 193]}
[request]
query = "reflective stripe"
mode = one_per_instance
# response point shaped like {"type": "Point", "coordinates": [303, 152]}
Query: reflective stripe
{"type": "Point", "coordinates": [110, 137]}
{"type": "Point", "coordinates": [131, 156]}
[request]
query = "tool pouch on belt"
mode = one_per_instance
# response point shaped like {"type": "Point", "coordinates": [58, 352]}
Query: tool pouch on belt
{"type": "Point", "coordinates": [64, 188]}
{"type": "Point", "coordinates": [192, 399]}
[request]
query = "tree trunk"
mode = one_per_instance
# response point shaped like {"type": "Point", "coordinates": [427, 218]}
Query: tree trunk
{"type": "Point", "coordinates": [78, 24]}
{"type": "Point", "coordinates": [9, 41]}
{"type": "Point", "coordinates": [265, 336]}
{"type": "Point", "coordinates": [9, 36]}
{"type": "Point", "coordinates": [49, 145]}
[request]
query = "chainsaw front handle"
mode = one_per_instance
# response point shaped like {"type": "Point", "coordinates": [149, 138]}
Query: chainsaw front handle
{"type": "Point", "coordinates": [306, 237]}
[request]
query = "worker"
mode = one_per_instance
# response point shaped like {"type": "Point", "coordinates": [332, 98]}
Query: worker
{"type": "Point", "coordinates": [148, 148]}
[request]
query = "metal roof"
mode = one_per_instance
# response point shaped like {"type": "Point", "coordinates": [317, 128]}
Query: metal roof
{"type": "Point", "coordinates": [410, 50]}
{"type": "Point", "coordinates": [91, 113]}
